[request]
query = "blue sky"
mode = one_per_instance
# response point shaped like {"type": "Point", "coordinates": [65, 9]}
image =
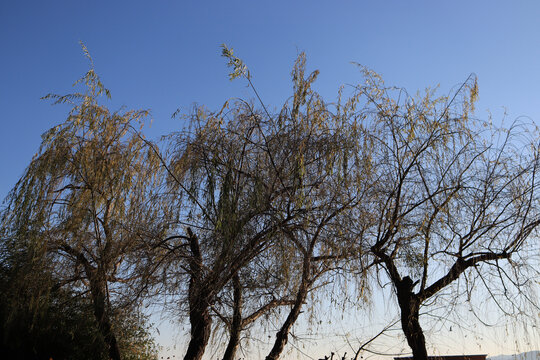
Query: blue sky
{"type": "Point", "coordinates": [161, 55]}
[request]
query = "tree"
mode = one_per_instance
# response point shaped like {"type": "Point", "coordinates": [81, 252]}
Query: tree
{"type": "Point", "coordinates": [256, 292]}
{"type": "Point", "coordinates": [42, 320]}
{"type": "Point", "coordinates": [319, 145]}
{"type": "Point", "coordinates": [85, 203]}
{"type": "Point", "coordinates": [228, 201]}
{"type": "Point", "coordinates": [245, 182]}
{"type": "Point", "coordinates": [451, 193]}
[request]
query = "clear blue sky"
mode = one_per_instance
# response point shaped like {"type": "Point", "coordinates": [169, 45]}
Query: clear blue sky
{"type": "Point", "coordinates": [164, 54]}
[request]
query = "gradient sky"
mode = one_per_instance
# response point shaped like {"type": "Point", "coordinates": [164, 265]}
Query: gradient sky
{"type": "Point", "coordinates": [162, 54]}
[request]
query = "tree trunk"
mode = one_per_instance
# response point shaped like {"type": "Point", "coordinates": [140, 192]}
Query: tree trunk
{"type": "Point", "coordinates": [236, 325]}
{"type": "Point", "coordinates": [282, 337]}
{"type": "Point", "coordinates": [98, 290]}
{"type": "Point", "coordinates": [199, 319]}
{"type": "Point", "coordinates": [201, 323]}
{"type": "Point", "coordinates": [199, 303]}
{"type": "Point", "coordinates": [410, 311]}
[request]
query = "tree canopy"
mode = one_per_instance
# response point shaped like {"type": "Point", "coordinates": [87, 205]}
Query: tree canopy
{"type": "Point", "coordinates": [242, 213]}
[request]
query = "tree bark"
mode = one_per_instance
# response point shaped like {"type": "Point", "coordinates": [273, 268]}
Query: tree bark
{"type": "Point", "coordinates": [236, 325]}
{"type": "Point", "coordinates": [199, 303]}
{"type": "Point", "coordinates": [410, 311]}
{"type": "Point", "coordinates": [201, 323]}
{"type": "Point", "coordinates": [99, 302]}
{"type": "Point", "coordinates": [282, 337]}
{"type": "Point", "coordinates": [199, 318]}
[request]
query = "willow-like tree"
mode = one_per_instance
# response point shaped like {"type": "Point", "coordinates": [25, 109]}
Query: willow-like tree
{"type": "Point", "coordinates": [311, 145]}
{"type": "Point", "coordinates": [452, 195]}
{"type": "Point", "coordinates": [85, 202]}
{"type": "Point", "coordinates": [319, 145]}
{"type": "Point", "coordinates": [42, 320]}
{"type": "Point", "coordinates": [254, 295]}
{"type": "Point", "coordinates": [316, 151]}
{"type": "Point", "coordinates": [227, 197]}
{"type": "Point", "coordinates": [245, 182]}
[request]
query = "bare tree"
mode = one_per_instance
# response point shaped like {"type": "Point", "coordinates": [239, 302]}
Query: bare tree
{"type": "Point", "coordinates": [451, 193]}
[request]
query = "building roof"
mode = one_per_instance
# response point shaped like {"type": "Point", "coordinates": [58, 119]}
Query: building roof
{"type": "Point", "coordinates": [448, 357]}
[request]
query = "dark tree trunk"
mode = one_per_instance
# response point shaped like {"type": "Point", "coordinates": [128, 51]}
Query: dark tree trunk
{"type": "Point", "coordinates": [199, 319]}
{"type": "Point", "coordinates": [236, 325]}
{"type": "Point", "coordinates": [410, 310]}
{"type": "Point", "coordinates": [98, 289]}
{"type": "Point", "coordinates": [199, 303]}
{"type": "Point", "coordinates": [201, 323]}
{"type": "Point", "coordinates": [282, 337]}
